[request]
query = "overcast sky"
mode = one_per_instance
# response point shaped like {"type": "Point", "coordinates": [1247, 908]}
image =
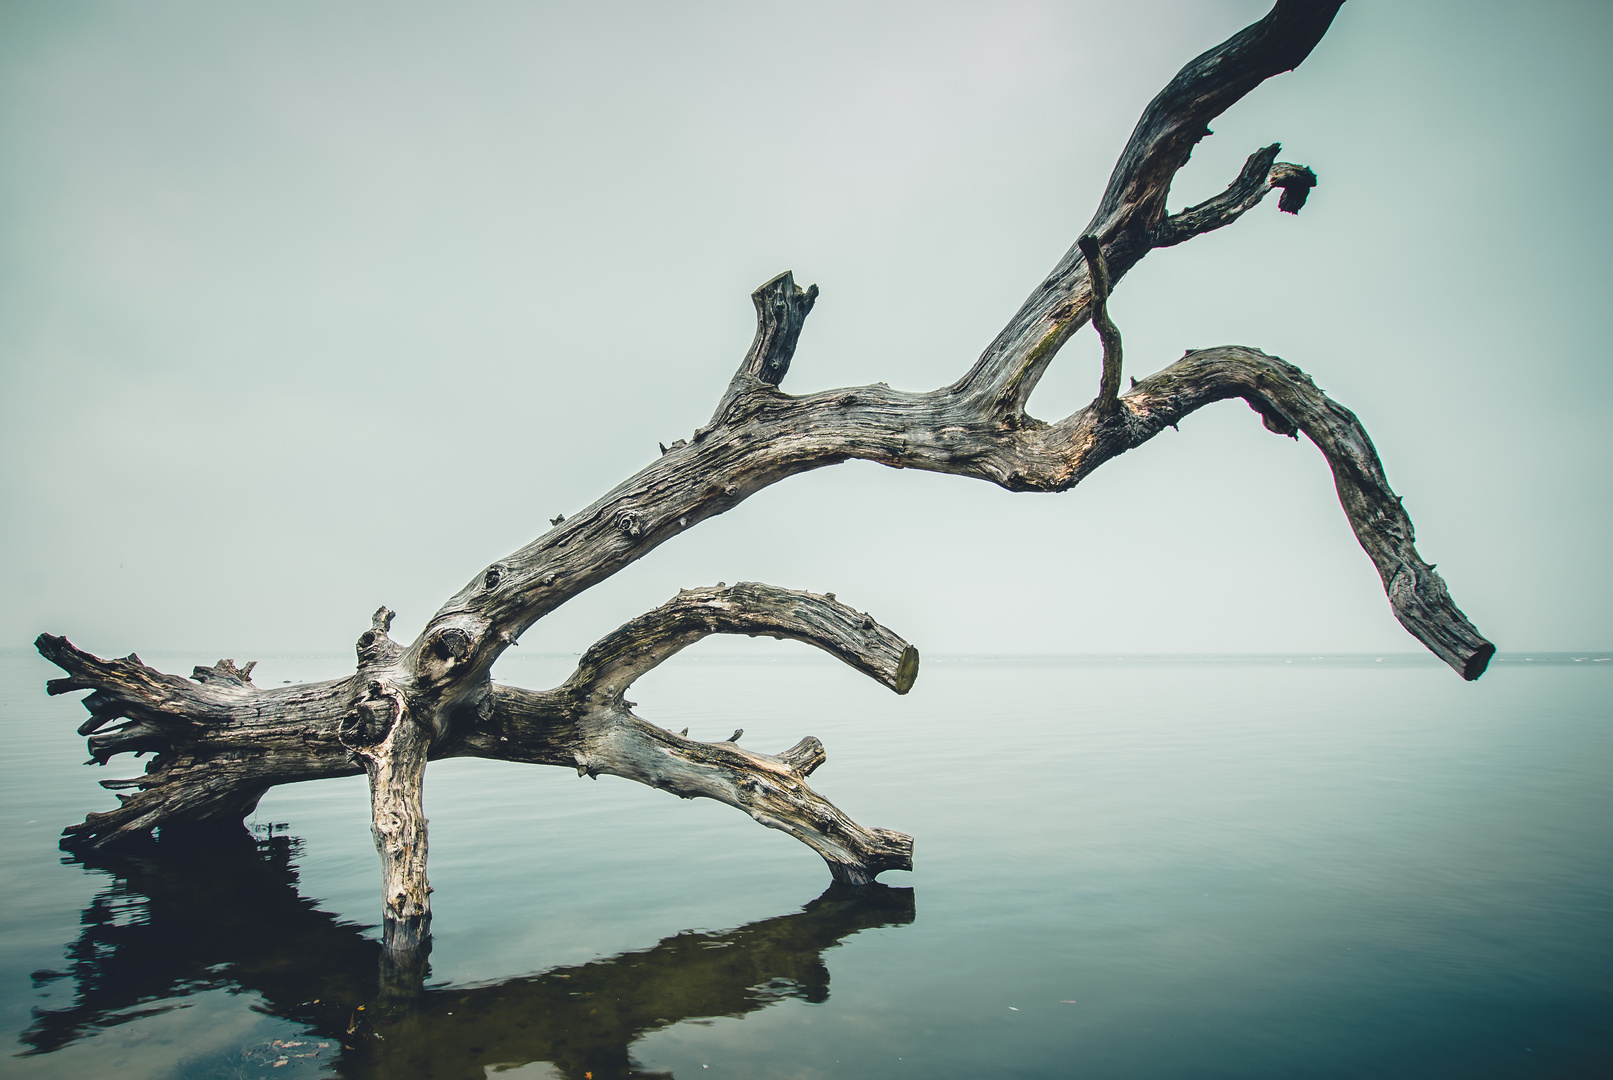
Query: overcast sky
{"type": "Point", "coordinates": [310, 307]}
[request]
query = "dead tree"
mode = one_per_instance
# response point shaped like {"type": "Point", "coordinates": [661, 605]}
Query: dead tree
{"type": "Point", "coordinates": [220, 742]}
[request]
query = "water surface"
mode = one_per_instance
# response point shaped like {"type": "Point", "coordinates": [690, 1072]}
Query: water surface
{"type": "Point", "coordinates": [1133, 867]}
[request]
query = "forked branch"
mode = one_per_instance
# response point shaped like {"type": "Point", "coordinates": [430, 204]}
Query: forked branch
{"type": "Point", "coordinates": [744, 448]}
{"type": "Point", "coordinates": [1260, 174]}
{"type": "Point", "coordinates": [588, 724]}
{"type": "Point", "coordinates": [218, 748]}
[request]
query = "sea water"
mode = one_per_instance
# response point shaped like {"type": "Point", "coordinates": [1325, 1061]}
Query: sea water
{"type": "Point", "coordinates": [1124, 867]}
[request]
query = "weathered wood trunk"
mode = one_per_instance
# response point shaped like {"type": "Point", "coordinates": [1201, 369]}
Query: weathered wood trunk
{"type": "Point", "coordinates": [221, 742]}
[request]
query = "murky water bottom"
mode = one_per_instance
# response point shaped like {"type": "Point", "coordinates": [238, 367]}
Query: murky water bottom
{"type": "Point", "coordinates": [1139, 868]}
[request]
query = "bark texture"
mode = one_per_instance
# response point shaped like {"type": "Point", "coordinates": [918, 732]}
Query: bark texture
{"type": "Point", "coordinates": [221, 742]}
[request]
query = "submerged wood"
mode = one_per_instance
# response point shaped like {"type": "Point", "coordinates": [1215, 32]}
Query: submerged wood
{"type": "Point", "coordinates": [221, 742]}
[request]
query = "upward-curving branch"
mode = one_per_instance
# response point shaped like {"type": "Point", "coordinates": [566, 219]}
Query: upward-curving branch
{"type": "Point", "coordinates": [221, 742]}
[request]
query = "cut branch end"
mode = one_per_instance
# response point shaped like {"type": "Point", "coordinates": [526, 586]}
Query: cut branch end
{"type": "Point", "coordinates": [781, 311]}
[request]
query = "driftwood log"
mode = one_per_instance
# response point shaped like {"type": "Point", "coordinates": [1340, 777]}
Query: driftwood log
{"type": "Point", "coordinates": [220, 742]}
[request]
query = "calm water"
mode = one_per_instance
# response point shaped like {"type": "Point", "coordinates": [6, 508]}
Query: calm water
{"type": "Point", "coordinates": [1124, 868]}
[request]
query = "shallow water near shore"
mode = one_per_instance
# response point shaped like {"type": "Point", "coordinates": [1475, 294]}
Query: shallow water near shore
{"type": "Point", "coordinates": [1124, 866]}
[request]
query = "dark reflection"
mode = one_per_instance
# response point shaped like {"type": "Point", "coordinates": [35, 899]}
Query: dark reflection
{"type": "Point", "coordinates": [180, 918]}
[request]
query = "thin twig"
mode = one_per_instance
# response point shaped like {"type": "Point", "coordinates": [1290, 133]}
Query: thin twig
{"type": "Point", "coordinates": [1108, 399]}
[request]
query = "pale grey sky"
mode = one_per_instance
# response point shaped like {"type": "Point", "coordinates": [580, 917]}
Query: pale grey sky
{"type": "Point", "coordinates": [306, 308]}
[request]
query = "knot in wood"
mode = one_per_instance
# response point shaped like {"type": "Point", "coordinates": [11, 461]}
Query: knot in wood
{"type": "Point", "coordinates": [370, 721]}
{"type": "Point", "coordinates": [631, 523]}
{"type": "Point", "coordinates": [451, 644]}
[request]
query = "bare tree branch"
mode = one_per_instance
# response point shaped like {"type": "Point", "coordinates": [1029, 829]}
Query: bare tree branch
{"type": "Point", "coordinates": [1260, 174]}
{"type": "Point", "coordinates": [714, 471]}
{"type": "Point", "coordinates": [608, 738]}
{"type": "Point", "coordinates": [1288, 401]}
{"type": "Point", "coordinates": [611, 665]}
{"type": "Point", "coordinates": [1133, 204]}
{"type": "Point", "coordinates": [213, 769]}
{"type": "Point", "coordinates": [1177, 118]}
{"type": "Point", "coordinates": [781, 311]}
{"type": "Point", "coordinates": [1108, 398]}
{"type": "Point", "coordinates": [586, 723]}
{"type": "Point", "coordinates": [218, 745]}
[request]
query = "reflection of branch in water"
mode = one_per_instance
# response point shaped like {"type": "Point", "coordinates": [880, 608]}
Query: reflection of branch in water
{"type": "Point", "coordinates": [178, 920]}
{"type": "Point", "coordinates": [584, 1018]}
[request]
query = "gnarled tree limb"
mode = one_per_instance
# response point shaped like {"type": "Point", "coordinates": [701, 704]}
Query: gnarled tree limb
{"type": "Point", "coordinates": [613, 663]}
{"type": "Point", "coordinates": [588, 724]}
{"type": "Point", "coordinates": [220, 766]}
{"type": "Point", "coordinates": [221, 742]}
{"type": "Point", "coordinates": [1260, 174]}
{"type": "Point", "coordinates": [1132, 209]}
{"type": "Point", "coordinates": [711, 474]}
{"type": "Point", "coordinates": [1288, 401]}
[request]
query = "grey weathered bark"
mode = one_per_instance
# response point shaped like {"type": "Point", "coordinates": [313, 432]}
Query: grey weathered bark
{"type": "Point", "coordinates": [222, 742]}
